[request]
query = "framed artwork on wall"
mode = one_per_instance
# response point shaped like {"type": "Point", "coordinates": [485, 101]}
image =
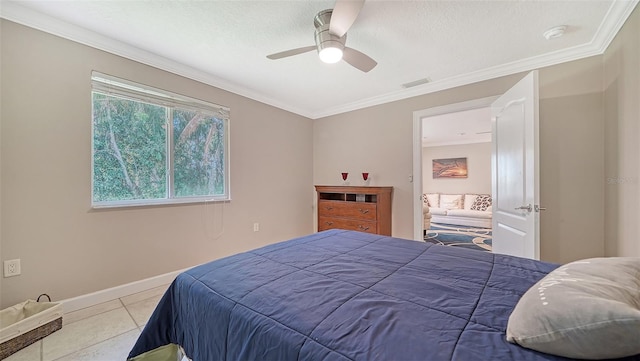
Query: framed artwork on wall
{"type": "Point", "coordinates": [450, 168]}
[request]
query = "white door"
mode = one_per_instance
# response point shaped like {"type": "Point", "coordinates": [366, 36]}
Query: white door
{"type": "Point", "coordinates": [514, 162]}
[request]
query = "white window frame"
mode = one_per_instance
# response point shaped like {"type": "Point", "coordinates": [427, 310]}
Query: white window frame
{"type": "Point", "coordinates": [111, 85]}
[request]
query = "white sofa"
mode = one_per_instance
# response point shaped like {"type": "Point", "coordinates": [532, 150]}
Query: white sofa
{"type": "Point", "coordinates": [426, 217]}
{"type": "Point", "coordinates": [473, 210]}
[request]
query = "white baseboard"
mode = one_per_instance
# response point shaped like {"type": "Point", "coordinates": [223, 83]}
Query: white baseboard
{"type": "Point", "coordinates": [92, 299]}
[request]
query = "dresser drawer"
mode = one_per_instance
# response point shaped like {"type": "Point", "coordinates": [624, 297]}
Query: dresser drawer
{"type": "Point", "coordinates": [325, 223]}
{"type": "Point", "coordinates": [356, 210]}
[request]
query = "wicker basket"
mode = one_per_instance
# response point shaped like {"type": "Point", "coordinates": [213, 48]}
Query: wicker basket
{"type": "Point", "coordinates": [26, 323]}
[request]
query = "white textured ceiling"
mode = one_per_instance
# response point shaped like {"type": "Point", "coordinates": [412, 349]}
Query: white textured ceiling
{"type": "Point", "coordinates": [225, 43]}
{"type": "Point", "coordinates": [464, 127]}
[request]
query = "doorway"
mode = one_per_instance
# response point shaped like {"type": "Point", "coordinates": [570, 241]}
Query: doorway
{"type": "Point", "coordinates": [515, 167]}
{"type": "Point", "coordinates": [456, 179]}
{"type": "Point", "coordinates": [418, 118]}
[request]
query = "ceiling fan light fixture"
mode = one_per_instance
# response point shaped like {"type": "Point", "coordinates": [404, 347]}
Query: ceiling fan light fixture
{"type": "Point", "coordinates": [330, 55]}
{"type": "Point", "coordinates": [330, 47]}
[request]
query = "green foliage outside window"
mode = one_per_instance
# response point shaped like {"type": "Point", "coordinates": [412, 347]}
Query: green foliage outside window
{"type": "Point", "coordinates": [129, 149]}
{"type": "Point", "coordinates": [198, 154]}
{"type": "Point", "coordinates": [133, 159]}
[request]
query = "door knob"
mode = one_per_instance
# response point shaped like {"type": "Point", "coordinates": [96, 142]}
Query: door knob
{"type": "Point", "coordinates": [528, 208]}
{"type": "Point", "coordinates": [538, 208]}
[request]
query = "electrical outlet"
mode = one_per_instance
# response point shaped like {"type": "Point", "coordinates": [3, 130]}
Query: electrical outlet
{"type": "Point", "coordinates": [256, 227]}
{"type": "Point", "coordinates": [12, 267]}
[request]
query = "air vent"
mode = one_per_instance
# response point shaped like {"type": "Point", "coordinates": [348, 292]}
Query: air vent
{"type": "Point", "coordinates": [416, 83]}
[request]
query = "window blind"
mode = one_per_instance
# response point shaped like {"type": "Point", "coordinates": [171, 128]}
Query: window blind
{"type": "Point", "coordinates": [111, 85]}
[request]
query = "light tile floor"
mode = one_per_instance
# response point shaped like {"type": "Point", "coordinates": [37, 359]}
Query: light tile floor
{"type": "Point", "coordinates": [104, 332]}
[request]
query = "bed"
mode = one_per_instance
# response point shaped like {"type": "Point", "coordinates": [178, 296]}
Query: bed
{"type": "Point", "coordinates": [344, 295]}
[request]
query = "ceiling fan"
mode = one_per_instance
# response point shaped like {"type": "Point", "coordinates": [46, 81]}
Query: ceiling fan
{"type": "Point", "coordinates": [331, 35]}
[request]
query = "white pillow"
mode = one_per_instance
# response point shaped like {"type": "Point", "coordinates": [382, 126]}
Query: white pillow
{"type": "Point", "coordinates": [588, 309]}
{"type": "Point", "coordinates": [433, 200]}
{"type": "Point", "coordinates": [468, 200]}
{"type": "Point", "coordinates": [451, 201]}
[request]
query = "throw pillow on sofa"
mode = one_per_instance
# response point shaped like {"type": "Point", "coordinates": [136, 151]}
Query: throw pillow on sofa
{"type": "Point", "coordinates": [433, 200]}
{"type": "Point", "coordinates": [468, 200]}
{"type": "Point", "coordinates": [481, 203]}
{"type": "Point", "coordinates": [451, 201]}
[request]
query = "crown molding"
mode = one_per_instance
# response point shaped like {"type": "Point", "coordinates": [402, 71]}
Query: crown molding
{"type": "Point", "coordinates": [454, 142]}
{"type": "Point", "coordinates": [11, 11]}
{"type": "Point", "coordinates": [611, 24]}
{"type": "Point", "coordinates": [613, 21]}
{"type": "Point", "coordinates": [519, 66]}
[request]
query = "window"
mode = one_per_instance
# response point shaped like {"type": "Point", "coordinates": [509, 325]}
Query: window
{"type": "Point", "coordinates": [155, 147]}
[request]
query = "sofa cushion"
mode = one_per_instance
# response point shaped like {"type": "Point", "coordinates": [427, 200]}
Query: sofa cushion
{"type": "Point", "coordinates": [433, 200]}
{"type": "Point", "coordinates": [468, 200]}
{"type": "Point", "coordinates": [481, 203]}
{"type": "Point", "coordinates": [438, 211]}
{"type": "Point", "coordinates": [451, 201]}
{"type": "Point", "coordinates": [468, 213]}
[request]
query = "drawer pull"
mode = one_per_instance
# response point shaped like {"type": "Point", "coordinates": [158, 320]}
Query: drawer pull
{"type": "Point", "coordinates": [328, 208]}
{"type": "Point", "coordinates": [328, 223]}
{"type": "Point", "coordinates": [363, 228]}
{"type": "Point", "coordinates": [364, 211]}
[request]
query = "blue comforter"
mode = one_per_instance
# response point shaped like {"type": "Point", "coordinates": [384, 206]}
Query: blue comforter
{"type": "Point", "coordinates": [343, 295]}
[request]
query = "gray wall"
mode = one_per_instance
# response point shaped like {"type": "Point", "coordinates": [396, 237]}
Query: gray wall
{"type": "Point", "coordinates": [622, 140]}
{"type": "Point", "coordinates": [384, 143]}
{"type": "Point", "coordinates": [571, 143]}
{"type": "Point", "coordinates": [69, 250]}
{"type": "Point", "coordinates": [589, 131]}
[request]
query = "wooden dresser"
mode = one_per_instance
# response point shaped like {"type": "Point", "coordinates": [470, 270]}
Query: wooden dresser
{"type": "Point", "coordinates": [364, 209]}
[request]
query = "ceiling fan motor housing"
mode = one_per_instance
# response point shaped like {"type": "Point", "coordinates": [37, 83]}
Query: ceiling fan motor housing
{"type": "Point", "coordinates": [324, 39]}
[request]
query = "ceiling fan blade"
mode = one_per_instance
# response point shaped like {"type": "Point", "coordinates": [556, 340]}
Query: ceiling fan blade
{"type": "Point", "coordinates": [292, 52]}
{"type": "Point", "coordinates": [344, 14]}
{"type": "Point", "coordinates": [358, 60]}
